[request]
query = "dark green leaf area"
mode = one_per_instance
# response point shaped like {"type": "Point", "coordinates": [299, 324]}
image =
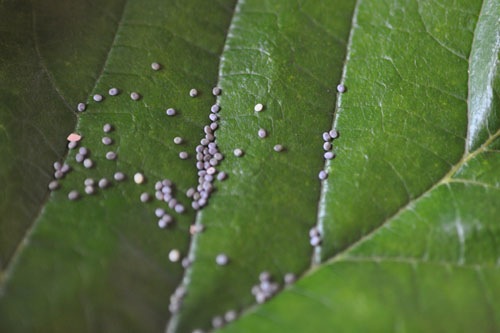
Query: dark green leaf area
{"type": "Point", "coordinates": [52, 53]}
{"type": "Point", "coordinates": [101, 263]}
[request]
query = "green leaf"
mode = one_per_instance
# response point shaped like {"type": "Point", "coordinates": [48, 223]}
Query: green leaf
{"type": "Point", "coordinates": [101, 263]}
{"type": "Point", "coordinates": [408, 214]}
{"type": "Point", "coordinates": [419, 153]}
{"type": "Point", "coordinates": [288, 56]}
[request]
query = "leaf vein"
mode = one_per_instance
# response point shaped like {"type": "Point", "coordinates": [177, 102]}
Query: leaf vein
{"type": "Point", "coordinates": [443, 181]}
{"type": "Point", "coordinates": [173, 322]}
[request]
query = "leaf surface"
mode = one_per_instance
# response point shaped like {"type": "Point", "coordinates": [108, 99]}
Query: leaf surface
{"type": "Point", "coordinates": [47, 66]}
{"type": "Point", "coordinates": [419, 153]}
{"type": "Point", "coordinates": [408, 213]}
{"type": "Point", "coordinates": [101, 263]}
{"type": "Point", "coordinates": [288, 56]}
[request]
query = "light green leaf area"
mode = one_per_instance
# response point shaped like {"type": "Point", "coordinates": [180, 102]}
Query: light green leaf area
{"type": "Point", "coordinates": [260, 217]}
{"type": "Point", "coordinates": [403, 122]}
{"type": "Point", "coordinates": [420, 252]}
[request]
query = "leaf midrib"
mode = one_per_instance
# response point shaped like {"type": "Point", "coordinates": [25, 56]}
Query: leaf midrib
{"type": "Point", "coordinates": [471, 132]}
{"type": "Point", "coordinates": [172, 323]}
{"type": "Point", "coordinates": [316, 257]}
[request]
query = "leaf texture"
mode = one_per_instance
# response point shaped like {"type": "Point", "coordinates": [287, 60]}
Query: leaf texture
{"type": "Point", "coordinates": [38, 93]}
{"type": "Point", "coordinates": [287, 56]}
{"type": "Point", "coordinates": [431, 262]}
{"type": "Point", "coordinates": [408, 214]}
{"type": "Point", "coordinates": [101, 263]}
